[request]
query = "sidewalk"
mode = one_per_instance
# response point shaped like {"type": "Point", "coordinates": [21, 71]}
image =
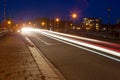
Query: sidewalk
{"type": "Point", "coordinates": [16, 61]}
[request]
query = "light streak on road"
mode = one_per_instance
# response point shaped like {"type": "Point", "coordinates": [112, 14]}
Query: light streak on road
{"type": "Point", "coordinates": [63, 38]}
{"type": "Point", "coordinates": [83, 38]}
{"type": "Point", "coordinates": [83, 44]}
{"type": "Point", "coordinates": [107, 56]}
{"type": "Point", "coordinates": [27, 29]}
{"type": "Point", "coordinates": [76, 37]}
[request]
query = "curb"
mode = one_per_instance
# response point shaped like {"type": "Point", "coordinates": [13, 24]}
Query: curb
{"type": "Point", "coordinates": [48, 71]}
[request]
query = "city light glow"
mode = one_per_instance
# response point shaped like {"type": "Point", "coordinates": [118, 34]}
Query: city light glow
{"type": "Point", "coordinates": [27, 29]}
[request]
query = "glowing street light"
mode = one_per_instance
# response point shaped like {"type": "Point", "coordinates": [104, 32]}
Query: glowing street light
{"type": "Point", "coordinates": [57, 19]}
{"type": "Point", "coordinates": [9, 22]}
{"type": "Point", "coordinates": [29, 23]}
{"type": "Point", "coordinates": [74, 15]}
{"type": "Point", "coordinates": [43, 23]}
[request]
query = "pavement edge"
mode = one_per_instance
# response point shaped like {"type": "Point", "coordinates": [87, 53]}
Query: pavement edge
{"type": "Point", "coordinates": [46, 67]}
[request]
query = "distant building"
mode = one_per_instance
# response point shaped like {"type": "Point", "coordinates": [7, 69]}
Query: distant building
{"type": "Point", "coordinates": [92, 24]}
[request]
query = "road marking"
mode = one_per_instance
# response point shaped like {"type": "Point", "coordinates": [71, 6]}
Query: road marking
{"type": "Point", "coordinates": [47, 69]}
{"type": "Point", "coordinates": [46, 43]}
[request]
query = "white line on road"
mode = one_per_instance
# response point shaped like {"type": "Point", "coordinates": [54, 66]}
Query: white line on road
{"type": "Point", "coordinates": [46, 43]}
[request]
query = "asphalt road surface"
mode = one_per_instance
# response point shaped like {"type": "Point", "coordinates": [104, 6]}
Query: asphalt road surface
{"type": "Point", "coordinates": [77, 62]}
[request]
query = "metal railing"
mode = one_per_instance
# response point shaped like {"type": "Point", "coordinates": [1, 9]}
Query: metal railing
{"type": "Point", "coordinates": [3, 31]}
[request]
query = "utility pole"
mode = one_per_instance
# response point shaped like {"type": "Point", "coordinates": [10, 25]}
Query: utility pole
{"type": "Point", "coordinates": [4, 10]}
{"type": "Point", "coordinates": [109, 10]}
{"type": "Point", "coordinates": [4, 16]}
{"type": "Point", "coordinates": [50, 24]}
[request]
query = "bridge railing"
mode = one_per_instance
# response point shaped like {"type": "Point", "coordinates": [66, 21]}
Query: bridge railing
{"type": "Point", "coordinates": [3, 31]}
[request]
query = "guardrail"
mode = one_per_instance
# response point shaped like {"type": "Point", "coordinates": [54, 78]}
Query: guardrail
{"type": "Point", "coordinates": [94, 34]}
{"type": "Point", "coordinates": [3, 31]}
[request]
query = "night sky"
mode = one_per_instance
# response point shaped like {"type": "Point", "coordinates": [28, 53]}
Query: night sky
{"type": "Point", "coordinates": [30, 9]}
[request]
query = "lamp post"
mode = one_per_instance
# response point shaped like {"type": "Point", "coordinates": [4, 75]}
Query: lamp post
{"type": "Point", "coordinates": [109, 10]}
{"type": "Point", "coordinates": [4, 10]}
{"type": "Point", "coordinates": [9, 22]}
{"type": "Point", "coordinates": [43, 24]}
{"type": "Point", "coordinates": [50, 24]}
{"type": "Point", "coordinates": [9, 25]}
{"type": "Point", "coordinates": [74, 16]}
{"type": "Point", "coordinates": [4, 17]}
{"type": "Point", "coordinates": [57, 20]}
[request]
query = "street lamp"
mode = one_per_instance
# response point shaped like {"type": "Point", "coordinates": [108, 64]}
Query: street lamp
{"type": "Point", "coordinates": [4, 10]}
{"type": "Point", "coordinates": [109, 10]}
{"type": "Point", "coordinates": [43, 23]}
{"type": "Point", "coordinates": [57, 20]}
{"type": "Point", "coordinates": [74, 15]}
{"type": "Point", "coordinates": [9, 25]}
{"type": "Point", "coordinates": [9, 22]}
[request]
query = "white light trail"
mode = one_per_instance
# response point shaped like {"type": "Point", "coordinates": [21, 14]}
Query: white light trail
{"type": "Point", "coordinates": [83, 38]}
{"type": "Point", "coordinates": [28, 29]}
{"type": "Point", "coordinates": [62, 37]}
{"type": "Point", "coordinates": [82, 43]}
{"type": "Point", "coordinates": [110, 57]}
